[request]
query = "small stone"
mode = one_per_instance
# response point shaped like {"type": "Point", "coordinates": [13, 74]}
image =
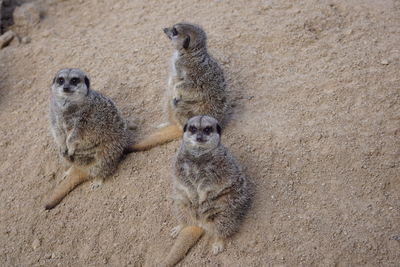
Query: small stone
{"type": "Point", "coordinates": [384, 62]}
{"type": "Point", "coordinates": [46, 33]}
{"type": "Point", "coordinates": [348, 31]}
{"type": "Point", "coordinates": [120, 209]}
{"type": "Point", "coordinates": [26, 40]}
{"type": "Point", "coordinates": [35, 244]}
{"type": "Point", "coordinates": [6, 38]}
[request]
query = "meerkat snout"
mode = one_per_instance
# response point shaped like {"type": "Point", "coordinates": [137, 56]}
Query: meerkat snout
{"type": "Point", "coordinates": [186, 36]}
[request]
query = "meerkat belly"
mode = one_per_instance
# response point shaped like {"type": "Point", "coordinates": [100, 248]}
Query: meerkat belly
{"type": "Point", "coordinates": [86, 154]}
{"type": "Point", "coordinates": [200, 211]}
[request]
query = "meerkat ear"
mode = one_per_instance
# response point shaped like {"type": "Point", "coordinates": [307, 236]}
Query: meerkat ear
{"type": "Point", "coordinates": [185, 127]}
{"type": "Point", "coordinates": [219, 129]}
{"type": "Point", "coordinates": [87, 82]}
{"type": "Point", "coordinates": [186, 42]}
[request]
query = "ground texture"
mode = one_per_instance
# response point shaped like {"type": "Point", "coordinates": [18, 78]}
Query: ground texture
{"type": "Point", "coordinates": [315, 122]}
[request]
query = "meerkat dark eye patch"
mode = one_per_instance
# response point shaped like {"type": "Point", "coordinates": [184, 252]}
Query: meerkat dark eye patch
{"type": "Point", "coordinates": [192, 129]}
{"type": "Point", "coordinates": [185, 128]}
{"type": "Point", "coordinates": [87, 82]}
{"type": "Point", "coordinates": [60, 80]}
{"type": "Point", "coordinates": [219, 130]}
{"type": "Point", "coordinates": [207, 130]}
{"type": "Point", "coordinates": [186, 42]}
{"type": "Point", "coordinates": [75, 81]}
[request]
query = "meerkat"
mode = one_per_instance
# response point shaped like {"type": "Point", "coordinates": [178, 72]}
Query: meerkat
{"type": "Point", "coordinates": [196, 84]}
{"type": "Point", "coordinates": [211, 194]}
{"type": "Point", "coordinates": [89, 130]}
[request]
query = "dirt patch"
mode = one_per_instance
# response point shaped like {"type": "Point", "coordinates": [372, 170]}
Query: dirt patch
{"type": "Point", "coordinates": [315, 123]}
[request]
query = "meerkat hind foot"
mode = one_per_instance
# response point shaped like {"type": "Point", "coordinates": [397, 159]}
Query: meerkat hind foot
{"type": "Point", "coordinates": [176, 230]}
{"type": "Point", "coordinates": [217, 246]}
{"type": "Point", "coordinates": [96, 183]}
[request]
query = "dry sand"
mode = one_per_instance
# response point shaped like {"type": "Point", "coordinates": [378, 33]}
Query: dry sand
{"type": "Point", "coordinates": [315, 122]}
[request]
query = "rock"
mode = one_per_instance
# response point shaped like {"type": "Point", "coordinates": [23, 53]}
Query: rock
{"type": "Point", "coordinates": [6, 38]}
{"type": "Point", "coordinates": [26, 40]}
{"type": "Point", "coordinates": [27, 15]}
{"type": "Point", "coordinates": [35, 244]}
{"type": "Point", "coordinates": [384, 62]}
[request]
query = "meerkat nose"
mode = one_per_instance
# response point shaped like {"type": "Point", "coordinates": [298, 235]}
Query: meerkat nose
{"type": "Point", "coordinates": [199, 137]}
{"type": "Point", "coordinates": [66, 89]}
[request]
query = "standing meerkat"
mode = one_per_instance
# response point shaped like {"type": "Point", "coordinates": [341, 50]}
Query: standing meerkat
{"type": "Point", "coordinates": [88, 129]}
{"type": "Point", "coordinates": [211, 194]}
{"type": "Point", "coordinates": [196, 84]}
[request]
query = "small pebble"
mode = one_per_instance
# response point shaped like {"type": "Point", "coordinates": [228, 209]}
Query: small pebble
{"type": "Point", "coordinates": [26, 40]}
{"type": "Point", "coordinates": [6, 38]}
{"type": "Point", "coordinates": [385, 62]}
{"type": "Point", "coordinates": [35, 244]}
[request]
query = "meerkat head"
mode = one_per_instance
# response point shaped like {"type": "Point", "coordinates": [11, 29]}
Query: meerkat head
{"type": "Point", "coordinates": [70, 83]}
{"type": "Point", "coordinates": [201, 134]}
{"type": "Point", "coordinates": [186, 37]}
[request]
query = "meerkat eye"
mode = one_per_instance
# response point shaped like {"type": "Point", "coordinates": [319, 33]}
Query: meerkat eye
{"type": "Point", "coordinates": [60, 81]}
{"type": "Point", "coordinates": [207, 130]}
{"type": "Point", "coordinates": [192, 129]}
{"type": "Point", "coordinates": [75, 81]}
{"type": "Point", "coordinates": [174, 32]}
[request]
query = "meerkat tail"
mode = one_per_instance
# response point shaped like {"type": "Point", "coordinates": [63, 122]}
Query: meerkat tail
{"type": "Point", "coordinates": [73, 179]}
{"type": "Point", "coordinates": [187, 238]}
{"type": "Point", "coordinates": [161, 136]}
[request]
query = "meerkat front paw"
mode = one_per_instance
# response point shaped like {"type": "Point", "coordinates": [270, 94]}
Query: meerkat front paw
{"type": "Point", "coordinates": [71, 151]}
{"type": "Point", "coordinates": [96, 183]}
{"type": "Point", "coordinates": [202, 196]}
{"type": "Point", "coordinates": [217, 246]}
{"type": "Point", "coordinates": [176, 230]}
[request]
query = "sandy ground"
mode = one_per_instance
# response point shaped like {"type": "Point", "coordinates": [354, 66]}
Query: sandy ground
{"type": "Point", "coordinates": [315, 88]}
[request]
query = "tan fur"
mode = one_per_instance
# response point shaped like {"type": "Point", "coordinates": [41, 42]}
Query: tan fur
{"type": "Point", "coordinates": [162, 136]}
{"type": "Point", "coordinates": [74, 178]}
{"type": "Point", "coordinates": [185, 241]}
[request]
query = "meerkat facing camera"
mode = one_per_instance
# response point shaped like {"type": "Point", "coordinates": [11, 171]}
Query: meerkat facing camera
{"type": "Point", "coordinates": [196, 84]}
{"type": "Point", "coordinates": [89, 131]}
{"type": "Point", "coordinates": [211, 194]}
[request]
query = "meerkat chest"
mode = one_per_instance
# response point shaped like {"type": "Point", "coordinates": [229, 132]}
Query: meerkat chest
{"type": "Point", "coordinates": [70, 116]}
{"type": "Point", "coordinates": [194, 175]}
{"type": "Point", "coordinates": [177, 73]}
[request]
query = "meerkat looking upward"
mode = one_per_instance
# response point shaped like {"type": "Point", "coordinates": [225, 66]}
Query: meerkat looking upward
{"type": "Point", "coordinates": [89, 130]}
{"type": "Point", "coordinates": [196, 84]}
{"type": "Point", "coordinates": [211, 194]}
